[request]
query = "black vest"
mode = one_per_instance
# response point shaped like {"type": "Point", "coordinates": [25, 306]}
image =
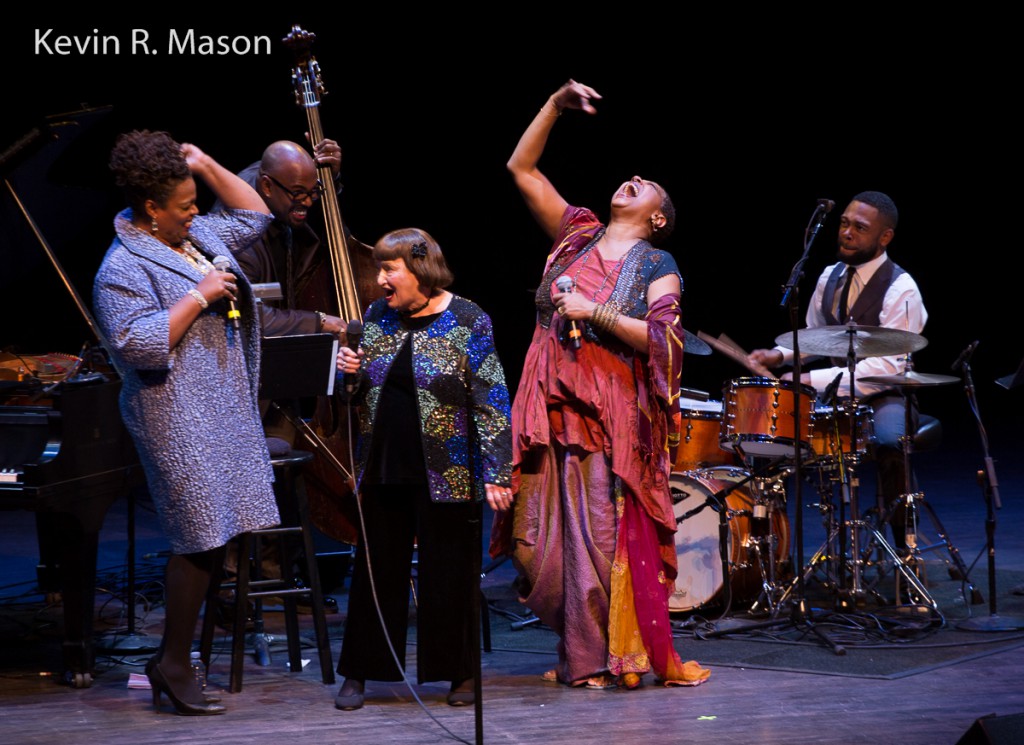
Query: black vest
{"type": "Point", "coordinates": [868, 308]}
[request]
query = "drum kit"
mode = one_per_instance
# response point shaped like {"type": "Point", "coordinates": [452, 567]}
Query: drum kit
{"type": "Point", "coordinates": [733, 461]}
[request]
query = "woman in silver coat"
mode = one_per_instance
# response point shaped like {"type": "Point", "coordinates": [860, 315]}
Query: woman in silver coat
{"type": "Point", "coordinates": [180, 322]}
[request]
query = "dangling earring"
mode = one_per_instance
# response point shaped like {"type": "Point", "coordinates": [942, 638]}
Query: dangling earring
{"type": "Point", "coordinates": [154, 227]}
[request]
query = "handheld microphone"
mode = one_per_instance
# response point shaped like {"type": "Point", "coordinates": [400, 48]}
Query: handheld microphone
{"type": "Point", "coordinates": [223, 264]}
{"type": "Point", "coordinates": [964, 356]}
{"type": "Point", "coordinates": [353, 336]}
{"type": "Point", "coordinates": [564, 284]}
{"type": "Point", "coordinates": [826, 205]}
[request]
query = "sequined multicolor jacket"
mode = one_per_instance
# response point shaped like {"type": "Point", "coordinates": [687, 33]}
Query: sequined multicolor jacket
{"type": "Point", "coordinates": [457, 345]}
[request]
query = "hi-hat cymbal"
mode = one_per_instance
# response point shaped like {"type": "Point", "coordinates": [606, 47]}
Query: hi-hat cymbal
{"type": "Point", "coordinates": [909, 378]}
{"type": "Point", "coordinates": [868, 341]}
{"type": "Point", "coordinates": [693, 345]}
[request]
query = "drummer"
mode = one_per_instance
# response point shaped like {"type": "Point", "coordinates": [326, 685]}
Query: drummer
{"type": "Point", "coordinates": [866, 287]}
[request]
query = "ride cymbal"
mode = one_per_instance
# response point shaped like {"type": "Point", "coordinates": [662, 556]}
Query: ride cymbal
{"type": "Point", "coordinates": [909, 378]}
{"type": "Point", "coordinates": [867, 341]}
{"type": "Point", "coordinates": [692, 344]}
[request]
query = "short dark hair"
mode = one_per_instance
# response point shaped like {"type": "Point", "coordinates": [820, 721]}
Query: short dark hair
{"type": "Point", "coordinates": [881, 202]}
{"type": "Point", "coordinates": [669, 211]}
{"type": "Point", "coordinates": [421, 254]}
{"type": "Point", "coordinates": [147, 165]}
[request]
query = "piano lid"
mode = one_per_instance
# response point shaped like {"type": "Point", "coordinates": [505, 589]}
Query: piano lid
{"type": "Point", "coordinates": [61, 180]}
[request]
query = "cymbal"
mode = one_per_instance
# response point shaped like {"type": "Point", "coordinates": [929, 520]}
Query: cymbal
{"type": "Point", "coordinates": [909, 378]}
{"type": "Point", "coordinates": [694, 345]}
{"type": "Point", "coordinates": [868, 341]}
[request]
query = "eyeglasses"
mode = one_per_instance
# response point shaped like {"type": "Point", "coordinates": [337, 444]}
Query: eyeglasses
{"type": "Point", "coordinates": [299, 195]}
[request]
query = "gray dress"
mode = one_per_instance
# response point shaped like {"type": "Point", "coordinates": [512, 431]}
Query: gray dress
{"type": "Point", "coordinates": [191, 410]}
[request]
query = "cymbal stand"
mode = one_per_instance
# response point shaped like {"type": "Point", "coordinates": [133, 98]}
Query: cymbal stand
{"type": "Point", "coordinates": [915, 505]}
{"type": "Point", "coordinates": [877, 540]}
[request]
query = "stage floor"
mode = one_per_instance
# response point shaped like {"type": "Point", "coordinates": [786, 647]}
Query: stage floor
{"type": "Point", "coordinates": [761, 703]}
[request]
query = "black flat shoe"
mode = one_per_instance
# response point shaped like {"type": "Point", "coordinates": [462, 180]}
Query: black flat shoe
{"type": "Point", "coordinates": [463, 693]}
{"type": "Point", "coordinates": [350, 697]}
{"type": "Point", "coordinates": [159, 684]}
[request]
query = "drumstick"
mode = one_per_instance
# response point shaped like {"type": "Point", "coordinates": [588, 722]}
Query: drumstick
{"type": "Point", "coordinates": [735, 353]}
{"type": "Point", "coordinates": [726, 340]}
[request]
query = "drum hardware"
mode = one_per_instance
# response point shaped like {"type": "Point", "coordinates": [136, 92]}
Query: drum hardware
{"type": "Point", "coordinates": [752, 536]}
{"type": "Point", "coordinates": [860, 341]}
{"type": "Point", "coordinates": [914, 502]}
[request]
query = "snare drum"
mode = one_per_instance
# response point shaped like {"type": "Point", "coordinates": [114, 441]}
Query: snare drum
{"type": "Point", "coordinates": [759, 416]}
{"type": "Point", "coordinates": [823, 432]}
{"type": "Point", "coordinates": [698, 549]}
{"type": "Point", "coordinates": [699, 445]}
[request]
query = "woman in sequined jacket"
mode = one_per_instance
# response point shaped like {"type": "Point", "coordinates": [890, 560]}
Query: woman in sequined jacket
{"type": "Point", "coordinates": [435, 441]}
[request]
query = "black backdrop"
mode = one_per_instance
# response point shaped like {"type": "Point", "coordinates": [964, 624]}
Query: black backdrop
{"type": "Point", "coordinates": [747, 122]}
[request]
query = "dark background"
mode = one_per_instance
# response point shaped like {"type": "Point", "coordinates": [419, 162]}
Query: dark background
{"type": "Point", "coordinates": [747, 121]}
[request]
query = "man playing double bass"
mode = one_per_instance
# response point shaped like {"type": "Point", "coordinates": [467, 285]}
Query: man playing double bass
{"type": "Point", "coordinates": [289, 251]}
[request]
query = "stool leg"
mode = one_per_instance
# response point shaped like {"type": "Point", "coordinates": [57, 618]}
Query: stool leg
{"type": "Point", "coordinates": [315, 591]}
{"type": "Point", "coordinates": [241, 612]}
{"type": "Point", "coordinates": [291, 612]}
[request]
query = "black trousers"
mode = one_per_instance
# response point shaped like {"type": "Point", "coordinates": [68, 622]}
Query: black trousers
{"type": "Point", "coordinates": [398, 520]}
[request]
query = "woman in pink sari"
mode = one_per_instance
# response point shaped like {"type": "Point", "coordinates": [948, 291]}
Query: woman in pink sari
{"type": "Point", "coordinates": [591, 529]}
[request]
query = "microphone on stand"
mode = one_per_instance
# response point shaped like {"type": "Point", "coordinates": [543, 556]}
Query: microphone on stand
{"type": "Point", "coordinates": [223, 264]}
{"type": "Point", "coordinates": [564, 284]}
{"type": "Point", "coordinates": [964, 357]}
{"type": "Point", "coordinates": [831, 389]}
{"type": "Point", "coordinates": [820, 213]}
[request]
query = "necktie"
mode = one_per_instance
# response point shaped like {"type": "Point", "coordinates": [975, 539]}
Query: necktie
{"type": "Point", "coordinates": [850, 292]}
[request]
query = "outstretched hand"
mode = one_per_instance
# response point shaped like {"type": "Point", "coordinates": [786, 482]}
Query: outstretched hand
{"type": "Point", "coordinates": [575, 95]}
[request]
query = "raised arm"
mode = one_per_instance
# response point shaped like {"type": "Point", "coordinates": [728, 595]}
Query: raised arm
{"type": "Point", "coordinates": [542, 199]}
{"type": "Point", "coordinates": [231, 190]}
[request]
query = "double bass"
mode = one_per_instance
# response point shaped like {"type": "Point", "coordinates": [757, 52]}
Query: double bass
{"type": "Point", "coordinates": [345, 286]}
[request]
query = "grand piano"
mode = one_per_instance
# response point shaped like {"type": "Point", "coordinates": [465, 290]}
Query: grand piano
{"type": "Point", "coordinates": [65, 455]}
{"type": "Point", "coordinates": [64, 451]}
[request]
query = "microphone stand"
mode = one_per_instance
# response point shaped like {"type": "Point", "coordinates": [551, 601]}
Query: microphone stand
{"type": "Point", "coordinates": [791, 292]}
{"type": "Point", "coordinates": [990, 491]}
{"type": "Point", "coordinates": [791, 301]}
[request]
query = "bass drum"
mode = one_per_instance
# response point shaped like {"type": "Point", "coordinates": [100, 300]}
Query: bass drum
{"type": "Point", "coordinates": [698, 549]}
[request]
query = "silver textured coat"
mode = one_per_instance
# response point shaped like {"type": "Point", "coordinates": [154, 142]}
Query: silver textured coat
{"type": "Point", "coordinates": [191, 410]}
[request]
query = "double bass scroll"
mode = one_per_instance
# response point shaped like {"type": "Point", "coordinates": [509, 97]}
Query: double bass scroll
{"type": "Point", "coordinates": [351, 284]}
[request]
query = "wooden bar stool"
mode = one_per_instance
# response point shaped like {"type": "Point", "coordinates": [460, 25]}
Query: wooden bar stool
{"type": "Point", "coordinates": [292, 501]}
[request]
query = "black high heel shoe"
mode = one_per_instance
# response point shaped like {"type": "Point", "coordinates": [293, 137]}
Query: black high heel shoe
{"type": "Point", "coordinates": [210, 698]}
{"type": "Point", "coordinates": [159, 684]}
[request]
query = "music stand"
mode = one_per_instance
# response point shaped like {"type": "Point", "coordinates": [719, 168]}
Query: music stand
{"type": "Point", "coordinates": [1014, 379]}
{"type": "Point", "coordinates": [298, 366]}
